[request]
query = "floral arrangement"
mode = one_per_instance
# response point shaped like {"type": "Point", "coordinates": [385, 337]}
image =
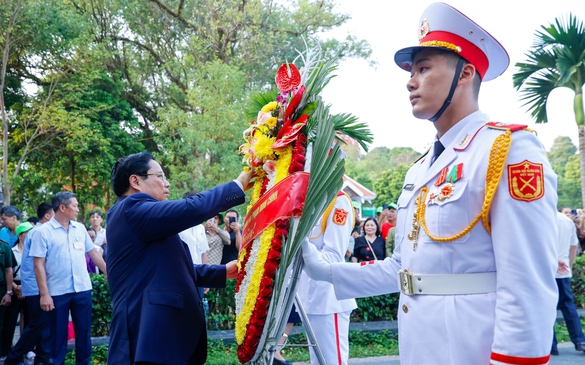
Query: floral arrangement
{"type": "Point", "coordinates": [292, 133]}
{"type": "Point", "coordinates": [274, 148]}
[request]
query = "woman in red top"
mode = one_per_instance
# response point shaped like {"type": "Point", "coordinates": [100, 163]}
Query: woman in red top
{"type": "Point", "coordinates": [390, 219]}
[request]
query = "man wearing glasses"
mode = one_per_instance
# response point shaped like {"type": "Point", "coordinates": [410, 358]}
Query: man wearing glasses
{"type": "Point", "coordinates": [157, 311]}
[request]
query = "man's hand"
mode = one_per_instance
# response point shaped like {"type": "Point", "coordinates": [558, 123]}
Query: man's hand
{"type": "Point", "coordinates": [234, 226]}
{"type": "Point", "coordinates": [245, 178]}
{"type": "Point", "coordinates": [6, 299]}
{"type": "Point", "coordinates": [231, 269]}
{"type": "Point", "coordinates": [315, 266]}
{"type": "Point", "coordinates": [47, 303]}
{"type": "Point", "coordinates": [563, 268]}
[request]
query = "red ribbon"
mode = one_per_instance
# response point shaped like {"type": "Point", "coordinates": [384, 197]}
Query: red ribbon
{"type": "Point", "coordinates": [283, 201]}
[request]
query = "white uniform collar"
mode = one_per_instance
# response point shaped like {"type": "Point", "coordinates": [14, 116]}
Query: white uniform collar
{"type": "Point", "coordinates": [451, 136]}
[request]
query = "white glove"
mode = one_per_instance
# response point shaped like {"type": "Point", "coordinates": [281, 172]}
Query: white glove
{"type": "Point", "coordinates": [315, 266]}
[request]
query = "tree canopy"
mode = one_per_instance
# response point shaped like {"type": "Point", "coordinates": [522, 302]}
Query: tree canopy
{"type": "Point", "coordinates": [84, 83]}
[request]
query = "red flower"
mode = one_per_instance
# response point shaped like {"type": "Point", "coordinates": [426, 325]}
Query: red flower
{"type": "Point", "coordinates": [264, 185]}
{"type": "Point", "coordinates": [270, 267]}
{"type": "Point", "coordinates": [283, 223]}
{"type": "Point", "coordinates": [274, 255]}
{"type": "Point", "coordinates": [267, 282]}
{"type": "Point", "coordinates": [295, 101]}
{"type": "Point", "coordinates": [287, 77]}
{"type": "Point", "coordinates": [290, 131]}
{"type": "Point", "coordinates": [265, 292]}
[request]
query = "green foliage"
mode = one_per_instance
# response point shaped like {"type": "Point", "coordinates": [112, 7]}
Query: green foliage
{"type": "Point", "coordinates": [565, 162]}
{"type": "Point", "coordinates": [578, 281]}
{"type": "Point", "coordinates": [563, 333]}
{"type": "Point", "coordinates": [559, 154]}
{"type": "Point", "coordinates": [99, 356]}
{"type": "Point", "coordinates": [116, 76]}
{"type": "Point", "coordinates": [222, 307]}
{"type": "Point", "coordinates": [368, 169]}
{"type": "Point", "coordinates": [377, 308]}
{"type": "Point", "coordinates": [219, 353]}
{"type": "Point", "coordinates": [556, 60]}
{"type": "Point", "coordinates": [200, 148]}
{"type": "Point", "coordinates": [361, 344]}
{"type": "Point", "coordinates": [101, 311]}
{"type": "Point", "coordinates": [388, 186]}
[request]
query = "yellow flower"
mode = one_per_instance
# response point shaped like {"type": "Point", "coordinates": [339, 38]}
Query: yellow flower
{"type": "Point", "coordinates": [269, 107]}
{"type": "Point", "coordinates": [255, 192]}
{"type": "Point", "coordinates": [283, 163]}
{"type": "Point", "coordinates": [254, 289]}
{"type": "Point", "coordinates": [271, 122]}
{"type": "Point", "coordinates": [262, 148]}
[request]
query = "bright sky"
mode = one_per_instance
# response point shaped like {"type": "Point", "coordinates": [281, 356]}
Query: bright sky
{"type": "Point", "coordinates": [378, 96]}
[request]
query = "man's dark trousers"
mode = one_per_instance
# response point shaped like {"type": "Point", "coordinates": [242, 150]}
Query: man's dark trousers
{"type": "Point", "coordinates": [36, 335]}
{"type": "Point", "coordinates": [567, 306]}
{"type": "Point", "coordinates": [80, 306]}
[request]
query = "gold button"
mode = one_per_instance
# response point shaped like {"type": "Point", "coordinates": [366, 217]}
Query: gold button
{"type": "Point", "coordinates": [405, 308]}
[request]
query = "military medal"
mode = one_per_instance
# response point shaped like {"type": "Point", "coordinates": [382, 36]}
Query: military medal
{"type": "Point", "coordinates": [442, 177]}
{"type": "Point", "coordinates": [446, 191]}
{"type": "Point", "coordinates": [432, 198]}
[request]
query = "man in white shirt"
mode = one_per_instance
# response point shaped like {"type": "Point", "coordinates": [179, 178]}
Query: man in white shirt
{"type": "Point", "coordinates": [567, 249]}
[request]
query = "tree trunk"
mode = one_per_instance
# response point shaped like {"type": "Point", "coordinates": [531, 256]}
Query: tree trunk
{"type": "Point", "coordinates": [580, 119]}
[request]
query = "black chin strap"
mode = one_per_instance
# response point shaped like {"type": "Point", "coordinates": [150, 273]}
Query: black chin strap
{"type": "Point", "coordinates": [451, 92]}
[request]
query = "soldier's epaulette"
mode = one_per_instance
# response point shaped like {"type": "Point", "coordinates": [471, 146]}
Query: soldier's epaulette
{"type": "Point", "coordinates": [423, 155]}
{"type": "Point", "coordinates": [506, 126]}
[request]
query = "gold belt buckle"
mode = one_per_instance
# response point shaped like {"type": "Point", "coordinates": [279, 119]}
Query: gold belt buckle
{"type": "Point", "coordinates": [406, 282]}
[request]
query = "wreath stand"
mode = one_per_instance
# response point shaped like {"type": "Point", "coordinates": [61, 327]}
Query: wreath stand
{"type": "Point", "coordinates": [295, 270]}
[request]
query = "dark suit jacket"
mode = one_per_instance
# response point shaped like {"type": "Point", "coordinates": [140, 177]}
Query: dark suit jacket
{"type": "Point", "coordinates": [157, 312]}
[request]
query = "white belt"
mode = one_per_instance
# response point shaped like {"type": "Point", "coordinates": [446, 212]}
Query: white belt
{"type": "Point", "coordinates": [446, 284]}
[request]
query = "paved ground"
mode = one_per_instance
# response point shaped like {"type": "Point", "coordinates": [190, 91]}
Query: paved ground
{"type": "Point", "coordinates": [567, 356]}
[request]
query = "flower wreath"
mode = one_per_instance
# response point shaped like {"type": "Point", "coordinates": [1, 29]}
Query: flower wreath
{"type": "Point", "coordinates": [293, 133]}
{"type": "Point", "coordinates": [275, 148]}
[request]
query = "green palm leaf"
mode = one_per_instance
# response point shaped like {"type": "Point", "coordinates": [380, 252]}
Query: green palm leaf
{"type": "Point", "coordinates": [257, 101]}
{"type": "Point", "coordinates": [556, 60]}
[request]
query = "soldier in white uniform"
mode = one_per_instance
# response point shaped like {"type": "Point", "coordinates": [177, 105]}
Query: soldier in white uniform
{"type": "Point", "coordinates": [474, 257]}
{"type": "Point", "coordinates": [329, 317]}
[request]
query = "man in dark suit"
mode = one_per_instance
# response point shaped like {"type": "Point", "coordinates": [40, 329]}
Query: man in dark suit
{"type": "Point", "coordinates": [157, 311]}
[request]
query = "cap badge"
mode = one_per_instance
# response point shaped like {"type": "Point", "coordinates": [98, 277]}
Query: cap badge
{"type": "Point", "coordinates": [424, 29]}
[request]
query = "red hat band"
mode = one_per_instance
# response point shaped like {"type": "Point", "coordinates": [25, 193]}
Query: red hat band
{"type": "Point", "coordinates": [459, 45]}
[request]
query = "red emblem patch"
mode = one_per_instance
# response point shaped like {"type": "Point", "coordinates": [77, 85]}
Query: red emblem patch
{"type": "Point", "coordinates": [339, 217]}
{"type": "Point", "coordinates": [526, 181]}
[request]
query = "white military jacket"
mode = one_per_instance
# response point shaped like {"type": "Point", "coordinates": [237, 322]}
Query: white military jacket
{"type": "Point", "coordinates": [332, 239]}
{"type": "Point", "coordinates": [511, 325]}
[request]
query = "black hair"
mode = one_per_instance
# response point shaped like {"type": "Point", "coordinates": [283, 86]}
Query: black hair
{"type": "Point", "coordinates": [189, 194]}
{"type": "Point", "coordinates": [135, 164]}
{"type": "Point", "coordinates": [376, 222]}
{"type": "Point", "coordinates": [33, 220]}
{"type": "Point", "coordinates": [10, 211]}
{"type": "Point", "coordinates": [62, 197]}
{"type": "Point", "coordinates": [43, 209]}
{"type": "Point", "coordinates": [96, 211]}
{"type": "Point", "coordinates": [232, 210]}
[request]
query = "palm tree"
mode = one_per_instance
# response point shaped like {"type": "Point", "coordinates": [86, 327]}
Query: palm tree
{"type": "Point", "coordinates": [557, 59]}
